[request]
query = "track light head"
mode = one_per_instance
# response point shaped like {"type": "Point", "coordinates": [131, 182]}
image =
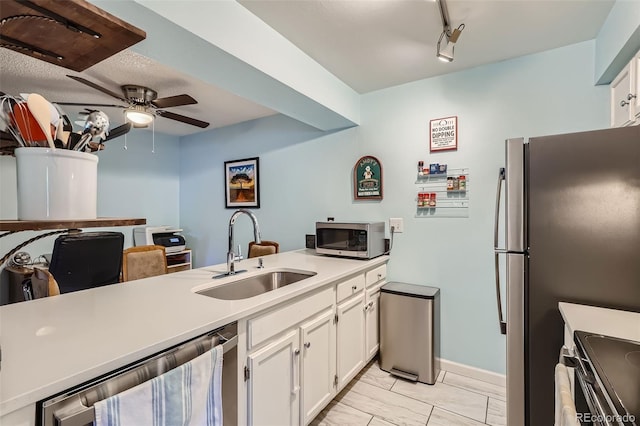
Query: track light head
{"type": "Point", "coordinates": [445, 53]}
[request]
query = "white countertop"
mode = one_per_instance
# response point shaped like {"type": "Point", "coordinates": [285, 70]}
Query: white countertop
{"type": "Point", "coordinates": [52, 344]}
{"type": "Point", "coordinates": [609, 322]}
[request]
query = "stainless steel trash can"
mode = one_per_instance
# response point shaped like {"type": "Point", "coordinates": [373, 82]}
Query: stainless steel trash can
{"type": "Point", "coordinates": [410, 331]}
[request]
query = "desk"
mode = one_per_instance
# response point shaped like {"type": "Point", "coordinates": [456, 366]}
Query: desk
{"type": "Point", "coordinates": [59, 227]}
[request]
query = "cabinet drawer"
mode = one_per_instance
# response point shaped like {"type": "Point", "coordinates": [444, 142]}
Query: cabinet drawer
{"type": "Point", "coordinates": [375, 275]}
{"type": "Point", "coordinates": [270, 324]}
{"type": "Point", "coordinates": [349, 287]}
{"type": "Point", "coordinates": [374, 289]}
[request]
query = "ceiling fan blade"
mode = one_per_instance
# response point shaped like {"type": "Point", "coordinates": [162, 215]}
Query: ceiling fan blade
{"type": "Point", "coordinates": [118, 131]}
{"type": "Point", "coordinates": [183, 119]}
{"type": "Point", "coordinates": [173, 101]}
{"type": "Point", "coordinates": [95, 86]}
{"type": "Point", "coordinates": [89, 105]}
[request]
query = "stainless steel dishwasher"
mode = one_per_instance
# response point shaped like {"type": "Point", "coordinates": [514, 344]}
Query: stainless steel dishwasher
{"type": "Point", "coordinates": [75, 406]}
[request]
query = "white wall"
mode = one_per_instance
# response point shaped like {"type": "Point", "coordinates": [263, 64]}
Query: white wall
{"type": "Point", "coordinates": [306, 176]}
{"type": "Point", "coordinates": [131, 183]}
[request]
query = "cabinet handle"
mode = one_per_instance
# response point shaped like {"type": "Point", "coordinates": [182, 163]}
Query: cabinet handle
{"type": "Point", "coordinates": [294, 372]}
{"type": "Point", "coordinates": [366, 308]}
{"type": "Point", "coordinates": [379, 276]}
{"type": "Point", "coordinates": [370, 304]}
{"type": "Point", "coordinates": [354, 287]}
{"type": "Point", "coordinates": [307, 345]}
{"type": "Point", "coordinates": [628, 100]}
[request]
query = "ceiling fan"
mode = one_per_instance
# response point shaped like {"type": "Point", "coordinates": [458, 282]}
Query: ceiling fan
{"type": "Point", "coordinates": [142, 104]}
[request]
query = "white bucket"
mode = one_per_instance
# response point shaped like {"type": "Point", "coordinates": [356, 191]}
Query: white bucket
{"type": "Point", "coordinates": [58, 184]}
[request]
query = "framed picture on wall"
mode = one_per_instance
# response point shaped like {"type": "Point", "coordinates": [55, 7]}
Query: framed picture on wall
{"type": "Point", "coordinates": [443, 134]}
{"type": "Point", "coordinates": [241, 182]}
{"type": "Point", "coordinates": [367, 179]}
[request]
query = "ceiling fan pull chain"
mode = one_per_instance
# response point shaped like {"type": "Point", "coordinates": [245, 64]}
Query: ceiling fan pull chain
{"type": "Point", "coordinates": [153, 137]}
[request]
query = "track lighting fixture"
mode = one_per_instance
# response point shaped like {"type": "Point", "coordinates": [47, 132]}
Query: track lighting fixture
{"type": "Point", "coordinates": [445, 51]}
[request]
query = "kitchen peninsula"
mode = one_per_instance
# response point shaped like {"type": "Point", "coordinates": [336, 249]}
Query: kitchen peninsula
{"type": "Point", "coordinates": [53, 344]}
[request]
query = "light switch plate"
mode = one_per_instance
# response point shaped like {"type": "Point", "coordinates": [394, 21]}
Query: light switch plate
{"type": "Point", "coordinates": [397, 223]}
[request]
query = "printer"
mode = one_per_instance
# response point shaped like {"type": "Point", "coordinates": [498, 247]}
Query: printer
{"type": "Point", "coordinates": [165, 236]}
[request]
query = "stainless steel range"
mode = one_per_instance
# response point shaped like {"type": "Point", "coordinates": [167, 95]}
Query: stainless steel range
{"type": "Point", "coordinates": [608, 373]}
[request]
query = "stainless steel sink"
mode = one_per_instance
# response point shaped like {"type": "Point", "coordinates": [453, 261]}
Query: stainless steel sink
{"type": "Point", "coordinates": [256, 285]}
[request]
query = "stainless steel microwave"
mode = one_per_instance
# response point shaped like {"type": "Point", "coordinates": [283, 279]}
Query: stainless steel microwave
{"type": "Point", "coordinates": [363, 240]}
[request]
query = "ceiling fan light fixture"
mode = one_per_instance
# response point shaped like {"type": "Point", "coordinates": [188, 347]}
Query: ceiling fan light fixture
{"type": "Point", "coordinates": [138, 115]}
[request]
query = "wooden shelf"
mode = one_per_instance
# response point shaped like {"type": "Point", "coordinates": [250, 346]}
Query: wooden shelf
{"type": "Point", "coordinates": [179, 261]}
{"type": "Point", "coordinates": [73, 34]}
{"type": "Point", "coordinates": [40, 225]}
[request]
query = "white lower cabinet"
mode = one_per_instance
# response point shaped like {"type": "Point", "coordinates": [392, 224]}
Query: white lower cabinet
{"type": "Point", "coordinates": [274, 385]}
{"type": "Point", "coordinates": [350, 338]}
{"type": "Point", "coordinates": [299, 356]}
{"type": "Point", "coordinates": [318, 364]}
{"type": "Point", "coordinates": [372, 322]}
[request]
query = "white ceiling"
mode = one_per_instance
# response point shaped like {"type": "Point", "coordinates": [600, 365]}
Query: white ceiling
{"type": "Point", "coordinates": [368, 44]}
{"type": "Point", "coordinates": [23, 74]}
{"type": "Point", "coordinates": [374, 44]}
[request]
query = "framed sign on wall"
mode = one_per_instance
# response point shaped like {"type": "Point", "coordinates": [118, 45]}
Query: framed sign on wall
{"type": "Point", "coordinates": [241, 183]}
{"type": "Point", "coordinates": [443, 134]}
{"type": "Point", "coordinates": [367, 179]}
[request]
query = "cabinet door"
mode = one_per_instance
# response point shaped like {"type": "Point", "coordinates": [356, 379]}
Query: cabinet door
{"type": "Point", "coordinates": [622, 109]}
{"type": "Point", "coordinates": [350, 339]}
{"type": "Point", "coordinates": [372, 321]}
{"type": "Point", "coordinates": [274, 382]}
{"type": "Point", "coordinates": [318, 364]}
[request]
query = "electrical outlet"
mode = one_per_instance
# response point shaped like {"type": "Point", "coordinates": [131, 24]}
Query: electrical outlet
{"type": "Point", "coordinates": [397, 223]}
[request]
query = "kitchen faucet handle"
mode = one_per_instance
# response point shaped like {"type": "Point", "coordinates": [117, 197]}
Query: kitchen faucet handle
{"type": "Point", "coordinates": [260, 265]}
{"type": "Point", "coordinates": [239, 256]}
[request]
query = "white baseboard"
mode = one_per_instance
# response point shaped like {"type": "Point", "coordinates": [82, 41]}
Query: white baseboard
{"type": "Point", "coordinates": [473, 372]}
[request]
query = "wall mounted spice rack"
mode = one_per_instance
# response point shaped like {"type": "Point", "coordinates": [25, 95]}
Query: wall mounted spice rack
{"type": "Point", "coordinates": [443, 194]}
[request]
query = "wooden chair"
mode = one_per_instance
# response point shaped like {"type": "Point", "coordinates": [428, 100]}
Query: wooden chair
{"type": "Point", "coordinates": [43, 284]}
{"type": "Point", "coordinates": [263, 249]}
{"type": "Point", "coordinates": [143, 261]}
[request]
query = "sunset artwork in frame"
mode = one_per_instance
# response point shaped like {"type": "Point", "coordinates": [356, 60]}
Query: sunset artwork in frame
{"type": "Point", "coordinates": [242, 183]}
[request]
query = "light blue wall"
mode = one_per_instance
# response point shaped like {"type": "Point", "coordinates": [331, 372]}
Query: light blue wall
{"type": "Point", "coordinates": [547, 93]}
{"type": "Point", "coordinates": [618, 40]}
{"type": "Point", "coordinates": [131, 183]}
{"type": "Point", "coordinates": [306, 176]}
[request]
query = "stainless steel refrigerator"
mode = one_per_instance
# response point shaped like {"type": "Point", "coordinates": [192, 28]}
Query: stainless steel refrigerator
{"type": "Point", "coordinates": [571, 233]}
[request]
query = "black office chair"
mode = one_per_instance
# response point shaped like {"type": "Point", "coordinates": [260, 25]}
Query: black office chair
{"type": "Point", "coordinates": [86, 260]}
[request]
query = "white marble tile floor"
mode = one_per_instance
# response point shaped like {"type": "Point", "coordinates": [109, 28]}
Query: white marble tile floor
{"type": "Point", "coordinates": [376, 398]}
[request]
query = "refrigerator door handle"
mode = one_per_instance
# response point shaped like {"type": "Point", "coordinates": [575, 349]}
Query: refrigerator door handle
{"type": "Point", "coordinates": [501, 176]}
{"type": "Point", "coordinates": [503, 324]}
{"type": "Point", "coordinates": [498, 251]}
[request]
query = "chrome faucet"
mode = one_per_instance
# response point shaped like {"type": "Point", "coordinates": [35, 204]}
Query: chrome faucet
{"type": "Point", "coordinates": [231, 255]}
